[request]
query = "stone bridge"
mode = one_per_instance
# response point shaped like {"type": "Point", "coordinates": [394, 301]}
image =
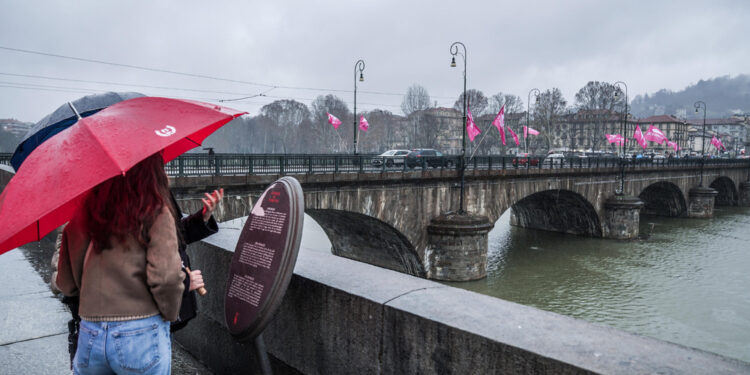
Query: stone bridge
{"type": "Point", "coordinates": [389, 219]}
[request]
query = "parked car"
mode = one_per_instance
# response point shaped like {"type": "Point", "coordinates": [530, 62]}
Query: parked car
{"type": "Point", "coordinates": [522, 159]}
{"type": "Point", "coordinates": [430, 157]}
{"type": "Point", "coordinates": [554, 159]}
{"type": "Point", "coordinates": [390, 158]}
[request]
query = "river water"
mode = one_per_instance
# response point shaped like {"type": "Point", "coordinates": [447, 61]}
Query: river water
{"type": "Point", "coordinates": [688, 283]}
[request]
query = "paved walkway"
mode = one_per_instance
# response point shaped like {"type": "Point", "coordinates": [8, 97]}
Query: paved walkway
{"type": "Point", "coordinates": [34, 323]}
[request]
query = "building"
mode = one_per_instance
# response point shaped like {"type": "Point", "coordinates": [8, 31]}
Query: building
{"type": "Point", "coordinates": [15, 127]}
{"type": "Point", "coordinates": [674, 128]}
{"type": "Point", "coordinates": [733, 131]}
{"type": "Point", "coordinates": [586, 130]}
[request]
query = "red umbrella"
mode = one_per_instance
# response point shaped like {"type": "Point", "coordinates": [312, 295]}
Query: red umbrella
{"type": "Point", "coordinates": [56, 176]}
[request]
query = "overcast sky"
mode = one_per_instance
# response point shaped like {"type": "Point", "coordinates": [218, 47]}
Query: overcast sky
{"type": "Point", "coordinates": [512, 48]}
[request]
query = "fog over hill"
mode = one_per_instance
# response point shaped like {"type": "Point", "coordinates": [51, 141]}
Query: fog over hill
{"type": "Point", "coordinates": [724, 96]}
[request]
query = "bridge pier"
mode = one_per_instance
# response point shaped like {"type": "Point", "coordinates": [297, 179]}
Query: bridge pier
{"type": "Point", "coordinates": [622, 217]}
{"type": "Point", "coordinates": [457, 247]}
{"type": "Point", "coordinates": [701, 202]}
{"type": "Point", "coordinates": [745, 194]}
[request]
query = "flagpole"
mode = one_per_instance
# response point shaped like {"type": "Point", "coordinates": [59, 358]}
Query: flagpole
{"type": "Point", "coordinates": [623, 128]}
{"type": "Point", "coordinates": [480, 141]}
{"type": "Point", "coordinates": [359, 65]}
{"type": "Point", "coordinates": [528, 109]}
{"type": "Point", "coordinates": [454, 52]}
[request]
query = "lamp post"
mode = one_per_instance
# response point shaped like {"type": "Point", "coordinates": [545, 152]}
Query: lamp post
{"type": "Point", "coordinates": [623, 129]}
{"type": "Point", "coordinates": [528, 104]}
{"type": "Point", "coordinates": [358, 66]}
{"type": "Point", "coordinates": [454, 52]}
{"type": "Point", "coordinates": [699, 104]}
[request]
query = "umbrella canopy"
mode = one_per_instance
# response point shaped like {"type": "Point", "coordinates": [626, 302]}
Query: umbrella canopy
{"type": "Point", "coordinates": [62, 118]}
{"type": "Point", "coordinates": [46, 192]}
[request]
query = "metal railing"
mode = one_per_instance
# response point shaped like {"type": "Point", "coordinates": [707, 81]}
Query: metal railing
{"type": "Point", "coordinates": [5, 158]}
{"type": "Point", "coordinates": [265, 164]}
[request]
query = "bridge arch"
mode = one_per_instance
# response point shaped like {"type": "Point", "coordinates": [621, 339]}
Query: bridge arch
{"type": "Point", "coordinates": [558, 211]}
{"type": "Point", "coordinates": [367, 239]}
{"type": "Point", "coordinates": [663, 199]}
{"type": "Point", "coordinates": [728, 195]}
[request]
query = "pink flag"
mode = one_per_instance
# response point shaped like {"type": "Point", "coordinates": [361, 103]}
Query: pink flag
{"type": "Point", "coordinates": [499, 123]}
{"type": "Point", "coordinates": [638, 135]}
{"type": "Point", "coordinates": [655, 135]}
{"type": "Point", "coordinates": [717, 143]}
{"type": "Point", "coordinates": [674, 145]}
{"type": "Point", "coordinates": [615, 138]}
{"type": "Point", "coordinates": [515, 137]}
{"type": "Point", "coordinates": [530, 131]}
{"type": "Point", "coordinates": [333, 121]}
{"type": "Point", "coordinates": [471, 128]}
{"type": "Point", "coordinates": [363, 124]}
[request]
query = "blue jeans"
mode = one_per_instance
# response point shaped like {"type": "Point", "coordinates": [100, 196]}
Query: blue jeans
{"type": "Point", "coordinates": [141, 346]}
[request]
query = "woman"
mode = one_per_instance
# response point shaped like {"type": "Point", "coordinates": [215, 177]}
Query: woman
{"type": "Point", "coordinates": [119, 253]}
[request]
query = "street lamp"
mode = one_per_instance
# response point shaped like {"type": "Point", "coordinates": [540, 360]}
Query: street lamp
{"type": "Point", "coordinates": [528, 103]}
{"type": "Point", "coordinates": [623, 129]}
{"type": "Point", "coordinates": [699, 104]}
{"type": "Point", "coordinates": [454, 52]}
{"type": "Point", "coordinates": [358, 66]}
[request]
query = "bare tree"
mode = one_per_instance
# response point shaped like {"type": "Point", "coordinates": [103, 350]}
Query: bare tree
{"type": "Point", "coordinates": [416, 99]}
{"type": "Point", "coordinates": [429, 127]}
{"type": "Point", "coordinates": [512, 103]}
{"type": "Point", "coordinates": [599, 95]}
{"type": "Point", "coordinates": [379, 136]}
{"type": "Point", "coordinates": [600, 100]}
{"type": "Point", "coordinates": [325, 138]}
{"type": "Point", "coordinates": [548, 110]}
{"type": "Point", "coordinates": [477, 102]}
{"type": "Point", "coordinates": [286, 115]}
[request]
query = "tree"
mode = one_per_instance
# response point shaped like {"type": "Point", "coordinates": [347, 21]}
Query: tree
{"type": "Point", "coordinates": [600, 95]}
{"type": "Point", "coordinates": [381, 133]}
{"type": "Point", "coordinates": [324, 137]}
{"type": "Point", "coordinates": [601, 100]}
{"type": "Point", "coordinates": [548, 110]}
{"type": "Point", "coordinates": [416, 99]}
{"type": "Point", "coordinates": [286, 116]}
{"type": "Point", "coordinates": [477, 102]}
{"type": "Point", "coordinates": [428, 126]}
{"type": "Point", "coordinates": [512, 103]}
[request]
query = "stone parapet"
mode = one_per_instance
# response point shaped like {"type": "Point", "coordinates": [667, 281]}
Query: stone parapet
{"type": "Point", "coordinates": [745, 194]}
{"type": "Point", "coordinates": [622, 217]}
{"type": "Point", "coordinates": [457, 247]}
{"type": "Point", "coordinates": [701, 202]}
{"type": "Point", "coordinates": [341, 316]}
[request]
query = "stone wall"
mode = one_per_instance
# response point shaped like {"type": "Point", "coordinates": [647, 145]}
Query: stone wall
{"type": "Point", "coordinates": [345, 317]}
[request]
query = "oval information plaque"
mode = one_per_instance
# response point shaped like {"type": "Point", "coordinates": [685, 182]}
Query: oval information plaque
{"type": "Point", "coordinates": [264, 259]}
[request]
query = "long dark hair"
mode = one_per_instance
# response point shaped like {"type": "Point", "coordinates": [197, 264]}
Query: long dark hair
{"type": "Point", "coordinates": [128, 205]}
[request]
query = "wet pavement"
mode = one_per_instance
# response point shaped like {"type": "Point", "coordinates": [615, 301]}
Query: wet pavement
{"type": "Point", "coordinates": [34, 322]}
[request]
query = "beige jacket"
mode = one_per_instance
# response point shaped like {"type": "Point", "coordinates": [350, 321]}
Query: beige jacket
{"type": "Point", "coordinates": [127, 281]}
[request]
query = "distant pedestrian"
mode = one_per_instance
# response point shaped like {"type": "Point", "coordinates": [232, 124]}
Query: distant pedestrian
{"type": "Point", "coordinates": [211, 157]}
{"type": "Point", "coordinates": [119, 254]}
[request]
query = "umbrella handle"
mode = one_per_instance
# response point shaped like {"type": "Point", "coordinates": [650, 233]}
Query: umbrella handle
{"type": "Point", "coordinates": [202, 291]}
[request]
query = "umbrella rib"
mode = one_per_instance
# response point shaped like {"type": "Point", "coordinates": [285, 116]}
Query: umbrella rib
{"type": "Point", "coordinates": [101, 144]}
{"type": "Point", "coordinates": [188, 138]}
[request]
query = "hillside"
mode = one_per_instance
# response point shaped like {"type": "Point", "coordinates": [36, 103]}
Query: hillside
{"type": "Point", "coordinates": [723, 96]}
